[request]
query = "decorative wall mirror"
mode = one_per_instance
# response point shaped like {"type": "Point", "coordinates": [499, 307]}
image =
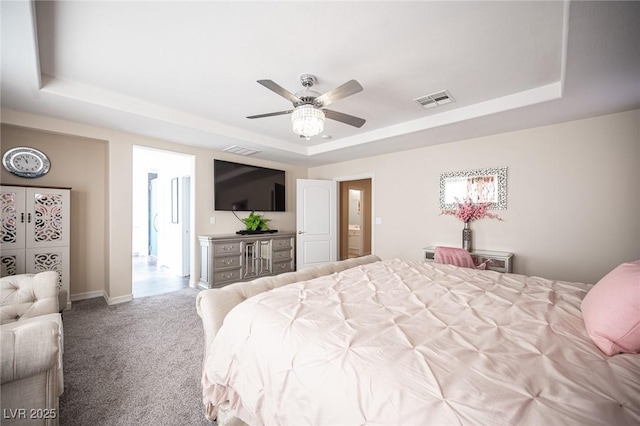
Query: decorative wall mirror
{"type": "Point", "coordinates": [481, 186]}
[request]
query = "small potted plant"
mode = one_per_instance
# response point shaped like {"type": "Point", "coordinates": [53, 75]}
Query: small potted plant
{"type": "Point", "coordinates": [256, 222]}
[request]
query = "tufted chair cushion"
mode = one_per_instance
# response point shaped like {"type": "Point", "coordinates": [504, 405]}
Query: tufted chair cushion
{"type": "Point", "coordinates": [27, 296]}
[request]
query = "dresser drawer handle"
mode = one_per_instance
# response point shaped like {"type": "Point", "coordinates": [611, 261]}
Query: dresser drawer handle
{"type": "Point", "coordinates": [227, 275]}
{"type": "Point", "coordinates": [227, 261]}
{"type": "Point", "coordinates": [228, 248]}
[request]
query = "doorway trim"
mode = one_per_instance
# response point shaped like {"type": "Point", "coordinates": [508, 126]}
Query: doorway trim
{"type": "Point", "coordinates": [361, 176]}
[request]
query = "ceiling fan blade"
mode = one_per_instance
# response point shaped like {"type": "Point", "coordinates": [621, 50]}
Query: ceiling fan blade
{"type": "Point", "coordinates": [349, 88]}
{"type": "Point", "coordinates": [344, 118]}
{"type": "Point", "coordinates": [275, 87]}
{"type": "Point", "coordinates": [271, 114]}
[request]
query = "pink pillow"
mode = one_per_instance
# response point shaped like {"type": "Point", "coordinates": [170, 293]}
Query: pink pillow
{"type": "Point", "coordinates": [611, 310]}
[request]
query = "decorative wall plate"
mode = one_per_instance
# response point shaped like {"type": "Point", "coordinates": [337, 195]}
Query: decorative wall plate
{"type": "Point", "coordinates": [26, 162]}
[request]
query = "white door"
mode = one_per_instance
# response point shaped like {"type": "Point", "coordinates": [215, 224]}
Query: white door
{"type": "Point", "coordinates": [185, 220]}
{"type": "Point", "coordinates": [153, 224]}
{"type": "Point", "coordinates": [48, 217]}
{"type": "Point", "coordinates": [14, 218]}
{"type": "Point", "coordinates": [316, 223]}
{"type": "Point", "coordinates": [13, 262]}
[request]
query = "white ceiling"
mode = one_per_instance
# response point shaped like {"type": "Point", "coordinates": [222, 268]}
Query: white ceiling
{"type": "Point", "coordinates": [186, 71]}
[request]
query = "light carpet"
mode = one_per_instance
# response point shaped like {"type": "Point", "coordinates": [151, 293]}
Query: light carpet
{"type": "Point", "coordinates": [135, 363]}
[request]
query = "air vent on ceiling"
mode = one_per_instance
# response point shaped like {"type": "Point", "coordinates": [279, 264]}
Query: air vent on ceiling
{"type": "Point", "coordinates": [435, 99]}
{"type": "Point", "coordinates": [241, 150]}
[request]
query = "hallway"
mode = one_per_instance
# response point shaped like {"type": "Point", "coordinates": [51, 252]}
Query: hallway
{"type": "Point", "coordinates": [150, 279]}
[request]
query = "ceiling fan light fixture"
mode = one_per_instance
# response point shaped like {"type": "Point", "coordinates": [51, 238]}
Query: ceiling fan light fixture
{"type": "Point", "coordinates": [307, 120]}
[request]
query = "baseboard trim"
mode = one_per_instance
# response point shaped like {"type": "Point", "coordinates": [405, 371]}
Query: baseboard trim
{"type": "Point", "coordinates": [88, 295]}
{"type": "Point", "coordinates": [119, 299]}
{"type": "Point", "coordinates": [104, 295]}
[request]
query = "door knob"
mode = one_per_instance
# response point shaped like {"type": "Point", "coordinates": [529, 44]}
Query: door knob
{"type": "Point", "coordinates": [300, 232]}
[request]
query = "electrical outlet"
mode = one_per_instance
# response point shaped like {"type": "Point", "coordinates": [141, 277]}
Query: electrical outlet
{"type": "Point", "coordinates": [212, 220]}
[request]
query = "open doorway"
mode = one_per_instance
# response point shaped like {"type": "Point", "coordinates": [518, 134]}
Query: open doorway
{"type": "Point", "coordinates": [355, 218]}
{"type": "Point", "coordinates": [161, 213]}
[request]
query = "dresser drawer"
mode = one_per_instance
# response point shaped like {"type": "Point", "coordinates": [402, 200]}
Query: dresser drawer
{"type": "Point", "coordinates": [220, 249]}
{"type": "Point", "coordinates": [281, 243]}
{"type": "Point", "coordinates": [285, 266]}
{"type": "Point", "coordinates": [281, 255]}
{"type": "Point", "coordinates": [494, 263]}
{"type": "Point", "coordinates": [499, 265]}
{"type": "Point", "coordinates": [226, 276]}
{"type": "Point", "coordinates": [226, 262]}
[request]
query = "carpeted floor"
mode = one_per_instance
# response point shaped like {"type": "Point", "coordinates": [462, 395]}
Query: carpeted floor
{"type": "Point", "coordinates": [135, 363]}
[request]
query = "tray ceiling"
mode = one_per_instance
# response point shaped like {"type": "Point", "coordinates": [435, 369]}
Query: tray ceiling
{"type": "Point", "coordinates": [186, 71]}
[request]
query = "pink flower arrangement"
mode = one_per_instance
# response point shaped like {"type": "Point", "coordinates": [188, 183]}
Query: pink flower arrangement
{"type": "Point", "coordinates": [469, 211]}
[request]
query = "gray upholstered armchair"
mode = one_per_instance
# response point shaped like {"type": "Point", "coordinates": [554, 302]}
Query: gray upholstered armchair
{"type": "Point", "coordinates": [32, 346]}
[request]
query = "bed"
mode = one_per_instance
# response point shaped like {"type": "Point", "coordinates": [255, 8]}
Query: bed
{"type": "Point", "coordinates": [401, 342]}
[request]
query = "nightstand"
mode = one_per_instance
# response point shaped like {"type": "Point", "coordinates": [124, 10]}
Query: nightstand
{"type": "Point", "coordinates": [501, 261]}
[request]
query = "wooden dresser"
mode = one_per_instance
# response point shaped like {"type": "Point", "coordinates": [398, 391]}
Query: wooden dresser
{"type": "Point", "coordinates": [225, 259]}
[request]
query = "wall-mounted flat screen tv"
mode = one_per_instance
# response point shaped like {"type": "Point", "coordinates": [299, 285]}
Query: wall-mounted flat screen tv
{"type": "Point", "coordinates": [241, 187]}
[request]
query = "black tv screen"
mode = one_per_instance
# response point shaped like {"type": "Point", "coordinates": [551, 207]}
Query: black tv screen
{"type": "Point", "coordinates": [241, 187]}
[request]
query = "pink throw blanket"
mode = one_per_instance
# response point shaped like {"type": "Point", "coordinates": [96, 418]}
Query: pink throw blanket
{"type": "Point", "coordinates": [455, 256]}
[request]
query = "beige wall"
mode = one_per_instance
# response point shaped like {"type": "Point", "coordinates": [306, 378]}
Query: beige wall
{"type": "Point", "coordinates": [117, 157]}
{"type": "Point", "coordinates": [81, 164]}
{"type": "Point", "coordinates": [561, 220]}
{"type": "Point", "coordinates": [573, 196]}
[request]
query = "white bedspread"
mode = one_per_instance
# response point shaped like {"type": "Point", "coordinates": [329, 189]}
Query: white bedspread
{"type": "Point", "coordinates": [411, 343]}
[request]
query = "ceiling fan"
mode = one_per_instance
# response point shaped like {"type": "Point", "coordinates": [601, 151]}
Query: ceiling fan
{"type": "Point", "coordinates": [309, 110]}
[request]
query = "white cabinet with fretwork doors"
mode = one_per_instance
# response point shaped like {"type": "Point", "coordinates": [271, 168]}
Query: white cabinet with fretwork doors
{"type": "Point", "coordinates": [36, 233]}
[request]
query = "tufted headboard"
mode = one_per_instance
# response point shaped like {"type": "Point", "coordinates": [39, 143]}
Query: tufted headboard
{"type": "Point", "coordinates": [28, 295]}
